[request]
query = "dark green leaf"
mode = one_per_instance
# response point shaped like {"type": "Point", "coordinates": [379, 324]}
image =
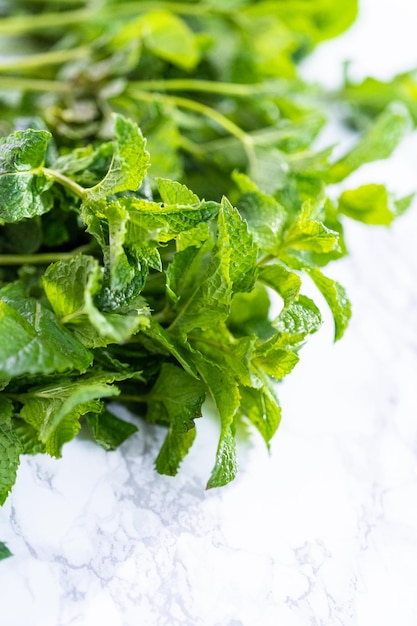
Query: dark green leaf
{"type": "Point", "coordinates": [175, 400]}
{"type": "Point", "coordinates": [4, 551]}
{"type": "Point", "coordinates": [10, 449]}
{"type": "Point", "coordinates": [108, 430]}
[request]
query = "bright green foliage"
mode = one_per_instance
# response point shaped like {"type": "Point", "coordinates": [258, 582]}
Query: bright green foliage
{"type": "Point", "coordinates": [372, 204]}
{"type": "Point", "coordinates": [54, 410]}
{"type": "Point", "coordinates": [225, 393]}
{"type": "Point", "coordinates": [71, 286]}
{"type": "Point", "coordinates": [129, 163]}
{"type": "Point", "coordinates": [287, 284]}
{"type": "Point", "coordinates": [159, 279]}
{"type": "Point", "coordinates": [23, 184]}
{"type": "Point", "coordinates": [31, 339]}
{"type": "Point", "coordinates": [336, 298]}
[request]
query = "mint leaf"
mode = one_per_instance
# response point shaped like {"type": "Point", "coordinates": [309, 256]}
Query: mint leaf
{"type": "Point", "coordinates": [296, 322]}
{"type": "Point", "coordinates": [378, 142]}
{"type": "Point", "coordinates": [166, 35]}
{"type": "Point", "coordinates": [23, 184]}
{"type": "Point", "coordinates": [371, 204]}
{"type": "Point", "coordinates": [266, 219]}
{"type": "Point", "coordinates": [10, 449]}
{"type": "Point", "coordinates": [225, 393]}
{"type": "Point", "coordinates": [55, 410]}
{"type": "Point", "coordinates": [171, 345]}
{"type": "Point", "coordinates": [336, 298]}
{"type": "Point", "coordinates": [209, 304]}
{"type": "Point", "coordinates": [176, 400]}
{"type": "Point", "coordinates": [129, 164]}
{"type": "Point", "coordinates": [262, 409]}
{"type": "Point", "coordinates": [287, 284]}
{"type": "Point", "coordinates": [276, 362]}
{"type": "Point", "coordinates": [108, 430]}
{"type": "Point", "coordinates": [4, 551]}
{"type": "Point", "coordinates": [234, 234]}
{"type": "Point", "coordinates": [71, 287]}
{"type": "Point", "coordinates": [309, 234]}
{"type": "Point", "coordinates": [172, 192]}
{"type": "Point", "coordinates": [32, 341]}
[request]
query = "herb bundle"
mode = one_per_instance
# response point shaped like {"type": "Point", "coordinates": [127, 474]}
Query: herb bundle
{"type": "Point", "coordinates": [142, 270]}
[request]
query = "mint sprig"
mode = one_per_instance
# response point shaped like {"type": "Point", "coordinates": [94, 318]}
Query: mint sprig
{"type": "Point", "coordinates": [142, 271]}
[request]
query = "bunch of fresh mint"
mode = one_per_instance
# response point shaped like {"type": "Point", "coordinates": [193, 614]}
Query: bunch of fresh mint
{"type": "Point", "coordinates": [142, 271]}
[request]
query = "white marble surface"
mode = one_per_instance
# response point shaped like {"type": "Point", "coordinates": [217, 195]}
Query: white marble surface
{"type": "Point", "coordinates": [321, 533]}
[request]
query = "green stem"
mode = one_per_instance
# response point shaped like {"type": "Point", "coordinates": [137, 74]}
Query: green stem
{"type": "Point", "coordinates": [43, 258]}
{"type": "Point", "coordinates": [65, 182]}
{"type": "Point", "coordinates": [134, 398]}
{"type": "Point", "coordinates": [206, 86]}
{"type": "Point", "coordinates": [34, 84]}
{"type": "Point", "coordinates": [53, 57]}
{"type": "Point", "coordinates": [24, 24]}
{"type": "Point", "coordinates": [197, 107]}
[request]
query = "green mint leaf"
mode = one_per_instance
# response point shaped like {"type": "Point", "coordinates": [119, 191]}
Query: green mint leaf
{"type": "Point", "coordinates": [225, 392]}
{"type": "Point", "coordinates": [10, 449]}
{"type": "Point", "coordinates": [372, 96]}
{"type": "Point", "coordinates": [266, 219]}
{"type": "Point", "coordinates": [296, 322]}
{"type": "Point", "coordinates": [229, 353]}
{"type": "Point", "coordinates": [150, 220]}
{"type": "Point", "coordinates": [32, 341]}
{"type": "Point", "coordinates": [234, 234]}
{"type": "Point", "coordinates": [87, 165]}
{"type": "Point", "coordinates": [165, 35]}
{"type": "Point", "coordinates": [108, 430]}
{"type": "Point", "coordinates": [28, 437]}
{"type": "Point", "coordinates": [287, 284]}
{"type": "Point", "coordinates": [4, 551]}
{"type": "Point", "coordinates": [371, 204]}
{"type": "Point", "coordinates": [23, 184]}
{"type": "Point", "coordinates": [276, 363]}
{"type": "Point", "coordinates": [310, 235]}
{"type": "Point", "coordinates": [176, 400]}
{"type": "Point", "coordinates": [262, 409]}
{"type": "Point", "coordinates": [336, 298]}
{"type": "Point", "coordinates": [55, 410]}
{"type": "Point", "coordinates": [172, 192]}
{"type": "Point", "coordinates": [172, 346]}
{"type": "Point", "coordinates": [209, 304]}
{"type": "Point", "coordinates": [71, 286]}
{"type": "Point", "coordinates": [129, 164]}
{"type": "Point", "coordinates": [378, 142]}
